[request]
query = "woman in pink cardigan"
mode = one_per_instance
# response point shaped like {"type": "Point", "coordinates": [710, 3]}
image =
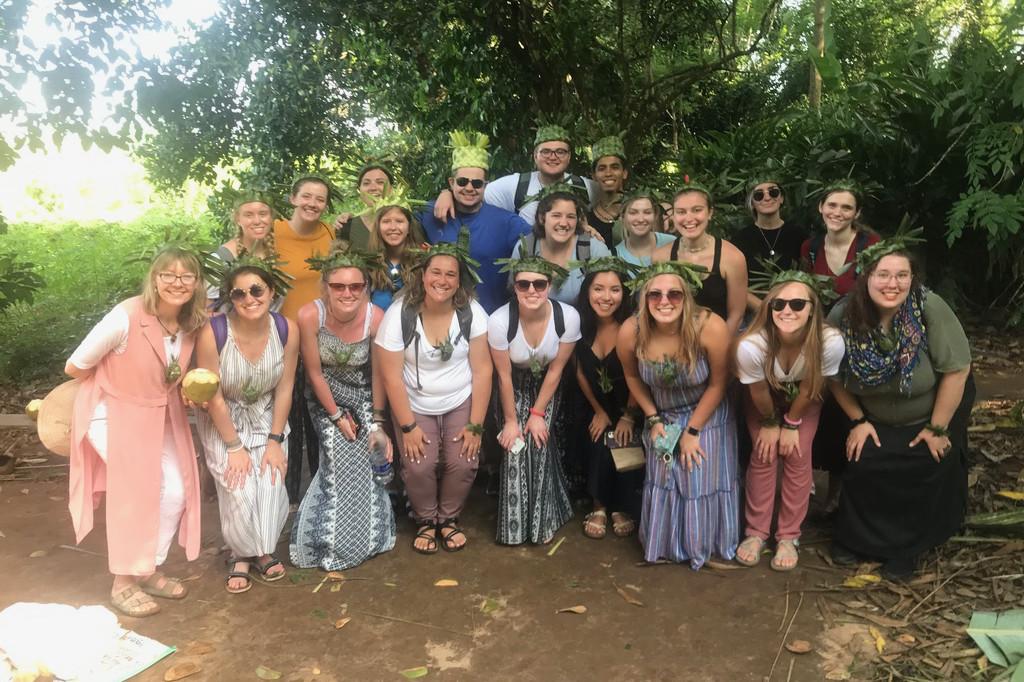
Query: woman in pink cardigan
{"type": "Point", "coordinates": [130, 436]}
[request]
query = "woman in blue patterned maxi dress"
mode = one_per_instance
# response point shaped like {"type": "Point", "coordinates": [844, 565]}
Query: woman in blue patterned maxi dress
{"type": "Point", "coordinates": [345, 517]}
{"type": "Point", "coordinates": [675, 358]}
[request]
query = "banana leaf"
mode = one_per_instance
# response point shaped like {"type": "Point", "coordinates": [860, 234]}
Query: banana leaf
{"type": "Point", "coordinates": [999, 635]}
{"type": "Point", "coordinates": [1004, 522]}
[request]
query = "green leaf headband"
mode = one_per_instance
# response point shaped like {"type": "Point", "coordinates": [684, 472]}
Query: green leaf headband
{"type": "Point", "coordinates": [560, 187]}
{"type": "Point", "coordinates": [690, 273]}
{"type": "Point", "coordinates": [900, 241]}
{"type": "Point", "coordinates": [556, 273]}
{"type": "Point", "coordinates": [177, 242]}
{"type": "Point", "coordinates": [551, 133]}
{"type": "Point", "coordinates": [345, 256]}
{"type": "Point", "coordinates": [399, 197]}
{"type": "Point", "coordinates": [608, 146]}
{"type": "Point", "coordinates": [762, 282]}
{"type": "Point", "coordinates": [694, 186]}
{"type": "Point", "coordinates": [219, 273]}
{"type": "Point", "coordinates": [459, 250]}
{"type": "Point", "coordinates": [606, 264]}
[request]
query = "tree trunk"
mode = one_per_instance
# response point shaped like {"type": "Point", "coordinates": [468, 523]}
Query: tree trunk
{"type": "Point", "coordinates": [814, 87]}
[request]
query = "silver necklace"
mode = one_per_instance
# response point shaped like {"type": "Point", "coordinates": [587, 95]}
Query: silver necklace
{"type": "Point", "coordinates": [771, 246]}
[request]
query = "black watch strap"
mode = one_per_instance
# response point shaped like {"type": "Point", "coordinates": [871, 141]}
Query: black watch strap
{"type": "Point", "coordinates": [692, 431]}
{"type": "Point", "coordinates": [408, 428]}
{"type": "Point", "coordinates": [276, 437]}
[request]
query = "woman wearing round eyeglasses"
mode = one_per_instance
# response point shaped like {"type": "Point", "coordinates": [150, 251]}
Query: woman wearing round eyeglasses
{"type": "Point", "coordinates": [254, 219]}
{"type": "Point", "coordinates": [255, 353]}
{"type": "Point", "coordinates": [724, 288]}
{"type": "Point", "coordinates": [674, 355]}
{"type": "Point", "coordinates": [531, 340]}
{"type": "Point", "coordinates": [769, 237]}
{"type": "Point", "coordinates": [130, 437]}
{"type": "Point", "coordinates": [393, 237]}
{"type": "Point", "coordinates": [345, 516]}
{"type": "Point", "coordinates": [558, 237]}
{"type": "Point", "coordinates": [905, 385]}
{"type": "Point", "coordinates": [783, 358]}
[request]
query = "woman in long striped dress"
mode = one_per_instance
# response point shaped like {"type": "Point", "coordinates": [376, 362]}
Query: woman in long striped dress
{"type": "Point", "coordinates": [345, 516]}
{"type": "Point", "coordinates": [243, 430]}
{"type": "Point", "coordinates": [675, 358]}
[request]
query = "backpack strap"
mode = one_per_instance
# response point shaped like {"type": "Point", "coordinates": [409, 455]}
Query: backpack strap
{"type": "Point", "coordinates": [674, 253]}
{"type": "Point", "coordinates": [530, 241]}
{"type": "Point", "coordinates": [862, 240]}
{"type": "Point", "coordinates": [220, 330]}
{"type": "Point", "coordinates": [521, 189]}
{"type": "Point", "coordinates": [559, 315]}
{"type": "Point", "coordinates": [281, 322]}
{"type": "Point", "coordinates": [409, 333]}
{"type": "Point", "coordinates": [513, 320]}
{"type": "Point", "coordinates": [583, 247]}
{"type": "Point", "coordinates": [465, 317]}
{"type": "Point", "coordinates": [817, 241]}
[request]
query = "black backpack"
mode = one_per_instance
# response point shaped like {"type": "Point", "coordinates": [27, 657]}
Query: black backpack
{"type": "Point", "coordinates": [513, 319]}
{"type": "Point", "coordinates": [411, 336]}
{"type": "Point", "coordinates": [582, 246]}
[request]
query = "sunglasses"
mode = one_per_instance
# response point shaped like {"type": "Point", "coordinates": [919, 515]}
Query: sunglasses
{"type": "Point", "coordinates": [475, 182]}
{"type": "Point", "coordinates": [256, 291]}
{"type": "Point", "coordinates": [355, 288]}
{"type": "Point", "coordinates": [539, 285]}
{"type": "Point", "coordinates": [795, 304]}
{"type": "Point", "coordinates": [674, 296]}
{"type": "Point", "coordinates": [773, 192]}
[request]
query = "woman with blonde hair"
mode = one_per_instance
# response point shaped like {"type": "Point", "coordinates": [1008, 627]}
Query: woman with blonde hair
{"type": "Point", "coordinates": [675, 358]}
{"type": "Point", "coordinates": [130, 437]}
{"type": "Point", "coordinates": [253, 216]}
{"type": "Point", "coordinates": [392, 236]}
{"type": "Point", "coordinates": [784, 358]}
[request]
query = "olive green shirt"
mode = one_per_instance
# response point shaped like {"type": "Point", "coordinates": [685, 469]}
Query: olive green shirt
{"type": "Point", "coordinates": [947, 351]}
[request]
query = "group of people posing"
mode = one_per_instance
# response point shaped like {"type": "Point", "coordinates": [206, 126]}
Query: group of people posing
{"type": "Point", "coordinates": [548, 325]}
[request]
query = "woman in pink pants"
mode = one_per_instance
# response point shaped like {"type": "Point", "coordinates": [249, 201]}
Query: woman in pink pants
{"type": "Point", "coordinates": [784, 358]}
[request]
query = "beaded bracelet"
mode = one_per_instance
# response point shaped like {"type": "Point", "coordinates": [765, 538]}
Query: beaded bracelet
{"type": "Point", "coordinates": [790, 427]}
{"type": "Point", "coordinates": [475, 429]}
{"type": "Point", "coordinates": [652, 420]}
{"type": "Point", "coordinates": [937, 430]}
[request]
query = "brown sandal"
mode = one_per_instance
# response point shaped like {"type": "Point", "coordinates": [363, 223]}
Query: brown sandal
{"type": "Point", "coordinates": [159, 585]}
{"type": "Point", "coordinates": [133, 602]}
{"type": "Point", "coordinates": [595, 524]}
{"type": "Point", "coordinates": [622, 525]}
{"type": "Point", "coordinates": [427, 531]}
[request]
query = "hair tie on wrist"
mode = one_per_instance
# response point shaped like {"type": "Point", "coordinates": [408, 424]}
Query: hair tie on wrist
{"type": "Point", "coordinates": [537, 413]}
{"type": "Point", "coordinates": [792, 422]}
{"type": "Point", "coordinates": [937, 430]}
{"type": "Point", "coordinates": [770, 422]}
{"type": "Point", "coordinates": [336, 416]}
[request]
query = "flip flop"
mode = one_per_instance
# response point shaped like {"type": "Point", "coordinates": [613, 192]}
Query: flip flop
{"type": "Point", "coordinates": [133, 602]}
{"type": "Point", "coordinates": [150, 586]}
{"type": "Point", "coordinates": [266, 566]}
{"type": "Point", "coordinates": [749, 545]}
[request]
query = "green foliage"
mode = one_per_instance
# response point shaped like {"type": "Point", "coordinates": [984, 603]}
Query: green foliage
{"type": "Point", "coordinates": [88, 269]}
{"type": "Point", "coordinates": [18, 280]}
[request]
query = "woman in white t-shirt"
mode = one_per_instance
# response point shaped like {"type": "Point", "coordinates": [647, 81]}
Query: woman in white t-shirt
{"type": "Point", "coordinates": [531, 339]}
{"type": "Point", "coordinates": [784, 358]}
{"type": "Point", "coordinates": [432, 351]}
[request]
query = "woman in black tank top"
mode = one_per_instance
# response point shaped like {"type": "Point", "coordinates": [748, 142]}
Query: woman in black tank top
{"type": "Point", "coordinates": [724, 289]}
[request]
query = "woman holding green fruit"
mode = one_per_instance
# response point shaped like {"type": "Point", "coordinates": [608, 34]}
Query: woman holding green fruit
{"type": "Point", "coordinates": [130, 437]}
{"type": "Point", "coordinates": [345, 516]}
{"type": "Point", "coordinates": [432, 353]}
{"type": "Point", "coordinates": [531, 340]}
{"type": "Point", "coordinates": [255, 353]}
{"type": "Point", "coordinates": [674, 355]}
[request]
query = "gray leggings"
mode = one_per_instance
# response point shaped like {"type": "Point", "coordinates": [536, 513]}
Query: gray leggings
{"type": "Point", "coordinates": [439, 483]}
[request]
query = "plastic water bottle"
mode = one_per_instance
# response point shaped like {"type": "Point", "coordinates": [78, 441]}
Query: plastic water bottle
{"type": "Point", "coordinates": [379, 464]}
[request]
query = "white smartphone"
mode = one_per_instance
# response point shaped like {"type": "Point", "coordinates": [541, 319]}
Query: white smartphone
{"type": "Point", "coordinates": [517, 446]}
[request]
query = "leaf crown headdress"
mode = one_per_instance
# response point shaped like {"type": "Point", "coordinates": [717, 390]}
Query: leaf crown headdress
{"type": "Point", "coordinates": [691, 274]}
{"type": "Point", "coordinates": [694, 186]}
{"type": "Point", "coordinates": [606, 264]}
{"type": "Point", "coordinates": [469, 150]}
{"type": "Point", "coordinates": [901, 240]}
{"type": "Point", "coordinates": [344, 255]}
{"type": "Point", "coordinates": [551, 132]}
{"type": "Point", "coordinates": [577, 191]}
{"type": "Point", "coordinates": [608, 146]}
{"type": "Point", "coordinates": [771, 274]}
{"type": "Point", "coordinates": [537, 264]}
{"type": "Point", "coordinates": [219, 273]}
{"type": "Point", "coordinates": [399, 196]}
{"type": "Point", "coordinates": [459, 250]}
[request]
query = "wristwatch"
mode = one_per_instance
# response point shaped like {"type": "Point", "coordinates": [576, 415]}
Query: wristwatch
{"type": "Point", "coordinates": [409, 428]}
{"type": "Point", "coordinates": [276, 437]}
{"type": "Point", "coordinates": [373, 427]}
{"type": "Point", "coordinates": [692, 431]}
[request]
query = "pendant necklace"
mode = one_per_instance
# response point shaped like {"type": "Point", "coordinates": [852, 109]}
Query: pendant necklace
{"type": "Point", "coordinates": [771, 247]}
{"type": "Point", "coordinates": [174, 336]}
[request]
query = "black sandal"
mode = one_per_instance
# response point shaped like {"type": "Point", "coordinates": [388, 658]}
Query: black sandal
{"type": "Point", "coordinates": [427, 531]}
{"type": "Point", "coordinates": [446, 540]}
{"type": "Point", "coordinates": [232, 562]}
{"type": "Point", "coordinates": [263, 568]}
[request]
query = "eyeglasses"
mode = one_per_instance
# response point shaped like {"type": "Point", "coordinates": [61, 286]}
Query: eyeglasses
{"type": "Point", "coordinates": [674, 296]}
{"type": "Point", "coordinates": [355, 288]}
{"type": "Point", "coordinates": [795, 304]}
{"type": "Point", "coordinates": [186, 278]}
{"type": "Point", "coordinates": [256, 291]}
{"type": "Point", "coordinates": [773, 192]}
{"type": "Point", "coordinates": [475, 182]}
{"type": "Point", "coordinates": [901, 277]}
{"type": "Point", "coordinates": [539, 285]}
{"type": "Point", "coordinates": [553, 153]}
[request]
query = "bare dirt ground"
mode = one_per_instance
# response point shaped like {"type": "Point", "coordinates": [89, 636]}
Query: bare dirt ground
{"type": "Point", "coordinates": [501, 621]}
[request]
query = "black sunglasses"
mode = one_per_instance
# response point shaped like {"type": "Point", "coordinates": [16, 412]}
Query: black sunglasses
{"type": "Point", "coordinates": [773, 192]}
{"type": "Point", "coordinates": [795, 304]}
{"type": "Point", "coordinates": [539, 285]}
{"type": "Point", "coordinates": [475, 182]}
{"type": "Point", "coordinates": [256, 290]}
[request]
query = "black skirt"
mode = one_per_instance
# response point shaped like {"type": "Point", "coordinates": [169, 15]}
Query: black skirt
{"type": "Point", "coordinates": [897, 501]}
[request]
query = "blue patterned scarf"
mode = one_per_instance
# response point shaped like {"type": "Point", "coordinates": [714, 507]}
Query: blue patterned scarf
{"type": "Point", "coordinates": [875, 358]}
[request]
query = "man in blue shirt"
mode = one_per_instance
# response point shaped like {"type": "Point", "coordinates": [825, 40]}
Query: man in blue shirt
{"type": "Point", "coordinates": [493, 231]}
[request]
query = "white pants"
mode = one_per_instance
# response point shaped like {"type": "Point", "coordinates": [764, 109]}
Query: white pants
{"type": "Point", "coordinates": [172, 487]}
